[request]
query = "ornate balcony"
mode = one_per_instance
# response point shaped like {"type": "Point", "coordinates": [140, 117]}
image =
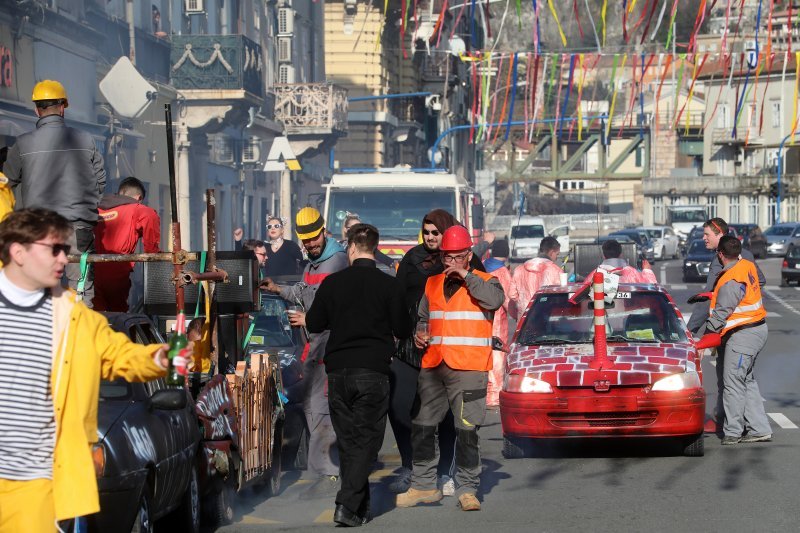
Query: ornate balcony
{"type": "Point", "coordinates": [311, 109]}
{"type": "Point", "coordinates": [217, 67]}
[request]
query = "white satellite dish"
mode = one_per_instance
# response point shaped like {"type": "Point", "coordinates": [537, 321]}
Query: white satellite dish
{"type": "Point", "coordinates": [126, 90]}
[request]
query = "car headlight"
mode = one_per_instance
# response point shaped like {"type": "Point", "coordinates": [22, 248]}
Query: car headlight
{"type": "Point", "coordinates": [689, 263]}
{"type": "Point", "coordinates": [678, 382]}
{"type": "Point", "coordinates": [783, 241]}
{"type": "Point", "coordinates": [99, 459]}
{"type": "Point", "coordinates": [520, 383]}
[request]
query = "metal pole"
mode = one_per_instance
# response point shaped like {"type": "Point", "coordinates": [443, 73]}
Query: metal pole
{"type": "Point", "coordinates": [135, 258]}
{"type": "Point", "coordinates": [176, 227]}
{"type": "Point", "coordinates": [780, 175]}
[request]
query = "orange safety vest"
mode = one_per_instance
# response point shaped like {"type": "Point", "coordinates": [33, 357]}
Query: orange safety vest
{"type": "Point", "coordinates": [751, 309]}
{"type": "Point", "coordinates": [461, 331]}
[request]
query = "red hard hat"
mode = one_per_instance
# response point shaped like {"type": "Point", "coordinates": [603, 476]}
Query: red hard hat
{"type": "Point", "coordinates": [456, 238]}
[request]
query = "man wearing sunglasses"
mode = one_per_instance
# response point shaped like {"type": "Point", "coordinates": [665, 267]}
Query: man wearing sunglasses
{"type": "Point", "coordinates": [458, 306]}
{"type": "Point", "coordinates": [53, 353]}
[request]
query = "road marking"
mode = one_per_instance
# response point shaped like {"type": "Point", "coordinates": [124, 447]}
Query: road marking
{"type": "Point", "coordinates": [250, 519]}
{"type": "Point", "coordinates": [663, 274]}
{"type": "Point", "coordinates": [782, 421]}
{"type": "Point", "coordinates": [781, 301]}
{"type": "Point", "coordinates": [325, 517]}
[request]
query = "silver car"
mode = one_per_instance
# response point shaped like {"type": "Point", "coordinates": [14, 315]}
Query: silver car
{"type": "Point", "coordinates": [781, 237]}
{"type": "Point", "coordinates": [665, 241]}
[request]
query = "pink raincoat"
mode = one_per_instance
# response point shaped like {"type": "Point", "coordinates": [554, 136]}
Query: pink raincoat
{"type": "Point", "coordinates": [500, 330]}
{"type": "Point", "coordinates": [529, 277]}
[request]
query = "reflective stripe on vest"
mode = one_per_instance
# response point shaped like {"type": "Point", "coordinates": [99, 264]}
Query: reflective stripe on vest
{"type": "Point", "coordinates": [461, 332]}
{"type": "Point", "coordinates": [751, 308]}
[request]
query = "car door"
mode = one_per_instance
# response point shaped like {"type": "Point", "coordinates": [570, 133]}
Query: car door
{"type": "Point", "coordinates": [561, 233]}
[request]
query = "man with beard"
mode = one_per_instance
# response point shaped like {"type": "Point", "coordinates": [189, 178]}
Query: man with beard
{"type": "Point", "coordinates": [420, 263]}
{"type": "Point", "coordinates": [326, 256]}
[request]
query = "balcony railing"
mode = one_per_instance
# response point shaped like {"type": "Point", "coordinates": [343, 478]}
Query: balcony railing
{"type": "Point", "coordinates": [216, 62]}
{"type": "Point", "coordinates": [311, 108]}
{"type": "Point", "coordinates": [717, 184]}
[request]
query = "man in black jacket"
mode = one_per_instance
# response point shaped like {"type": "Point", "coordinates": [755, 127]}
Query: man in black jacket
{"type": "Point", "coordinates": [363, 309]}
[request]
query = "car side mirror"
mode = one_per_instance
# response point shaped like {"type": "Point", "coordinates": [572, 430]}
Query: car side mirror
{"type": "Point", "coordinates": [169, 399]}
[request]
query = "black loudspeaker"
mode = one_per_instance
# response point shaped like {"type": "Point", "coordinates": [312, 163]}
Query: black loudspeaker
{"type": "Point", "coordinates": [239, 295]}
{"type": "Point", "coordinates": [588, 256]}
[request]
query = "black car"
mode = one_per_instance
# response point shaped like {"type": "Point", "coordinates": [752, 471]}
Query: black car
{"type": "Point", "coordinates": [697, 262]}
{"type": "Point", "coordinates": [790, 269]}
{"type": "Point", "coordinates": [752, 238]}
{"type": "Point", "coordinates": [273, 334]}
{"type": "Point", "coordinates": [643, 244]}
{"type": "Point", "coordinates": [146, 452]}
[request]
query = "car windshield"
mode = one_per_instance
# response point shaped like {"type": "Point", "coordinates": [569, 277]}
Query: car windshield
{"type": "Point", "coordinates": [698, 247]}
{"type": "Point", "coordinates": [794, 252]}
{"type": "Point", "coordinates": [688, 215]}
{"type": "Point", "coordinates": [654, 233]}
{"type": "Point", "coordinates": [780, 231]}
{"type": "Point", "coordinates": [635, 237]}
{"type": "Point", "coordinates": [272, 326]}
{"type": "Point", "coordinates": [618, 238]}
{"type": "Point", "coordinates": [396, 213]}
{"type": "Point", "coordinates": [115, 390]}
{"type": "Point", "coordinates": [533, 231]}
{"type": "Point", "coordinates": [741, 230]}
{"type": "Point", "coordinates": [639, 316]}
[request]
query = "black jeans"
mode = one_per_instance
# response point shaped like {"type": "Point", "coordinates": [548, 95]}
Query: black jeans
{"type": "Point", "coordinates": [359, 400]}
{"type": "Point", "coordinates": [403, 396]}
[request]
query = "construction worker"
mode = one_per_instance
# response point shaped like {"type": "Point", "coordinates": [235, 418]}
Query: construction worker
{"type": "Point", "coordinates": [59, 168]}
{"type": "Point", "coordinates": [326, 256]}
{"type": "Point", "coordinates": [496, 266]}
{"type": "Point", "coordinates": [458, 307]}
{"type": "Point", "coordinates": [737, 324]}
{"type": "Point", "coordinates": [124, 220]}
{"type": "Point", "coordinates": [535, 273]}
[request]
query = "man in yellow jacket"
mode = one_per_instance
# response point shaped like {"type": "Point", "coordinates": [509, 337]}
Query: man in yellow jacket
{"type": "Point", "coordinates": [53, 353]}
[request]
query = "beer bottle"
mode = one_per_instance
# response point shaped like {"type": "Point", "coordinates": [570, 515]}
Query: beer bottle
{"type": "Point", "coordinates": [177, 347]}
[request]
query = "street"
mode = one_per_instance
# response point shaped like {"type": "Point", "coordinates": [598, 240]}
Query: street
{"type": "Point", "coordinates": [608, 485]}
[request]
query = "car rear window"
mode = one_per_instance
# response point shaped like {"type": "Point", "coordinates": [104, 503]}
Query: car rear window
{"type": "Point", "coordinates": [527, 232]}
{"type": "Point", "coordinates": [639, 316]}
{"type": "Point", "coordinates": [780, 231]}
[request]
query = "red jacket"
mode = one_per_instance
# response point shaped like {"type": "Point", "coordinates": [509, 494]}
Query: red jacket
{"type": "Point", "coordinates": [123, 221]}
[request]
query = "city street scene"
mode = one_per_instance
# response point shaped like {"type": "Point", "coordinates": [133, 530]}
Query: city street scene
{"type": "Point", "coordinates": [291, 265]}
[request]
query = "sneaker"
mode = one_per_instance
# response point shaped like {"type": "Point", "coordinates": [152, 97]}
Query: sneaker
{"type": "Point", "coordinates": [447, 485]}
{"type": "Point", "coordinates": [324, 487]}
{"type": "Point", "coordinates": [757, 438]}
{"type": "Point", "coordinates": [402, 482]}
{"type": "Point", "coordinates": [727, 440]}
{"type": "Point", "coordinates": [469, 502]}
{"type": "Point", "coordinates": [413, 497]}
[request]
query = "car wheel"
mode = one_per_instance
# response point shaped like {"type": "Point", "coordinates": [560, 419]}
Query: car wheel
{"type": "Point", "coordinates": [694, 446]}
{"type": "Point", "coordinates": [301, 459]}
{"type": "Point", "coordinates": [515, 447]}
{"type": "Point", "coordinates": [784, 281]}
{"type": "Point", "coordinates": [275, 469]}
{"type": "Point", "coordinates": [143, 522]}
{"type": "Point", "coordinates": [221, 505]}
{"type": "Point", "coordinates": [187, 516]}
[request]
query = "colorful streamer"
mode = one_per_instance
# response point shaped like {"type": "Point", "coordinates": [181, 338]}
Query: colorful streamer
{"type": "Point", "coordinates": [558, 23]}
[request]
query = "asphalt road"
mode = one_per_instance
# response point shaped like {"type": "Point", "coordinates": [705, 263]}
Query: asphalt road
{"type": "Point", "coordinates": [608, 485]}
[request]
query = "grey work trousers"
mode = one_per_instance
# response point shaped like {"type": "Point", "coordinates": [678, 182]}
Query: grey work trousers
{"type": "Point", "coordinates": [82, 240]}
{"type": "Point", "coordinates": [323, 457]}
{"type": "Point", "coordinates": [463, 392]}
{"type": "Point", "coordinates": [741, 398]}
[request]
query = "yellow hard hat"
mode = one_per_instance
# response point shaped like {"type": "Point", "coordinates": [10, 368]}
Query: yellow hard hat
{"type": "Point", "coordinates": [308, 223]}
{"type": "Point", "coordinates": [49, 90]}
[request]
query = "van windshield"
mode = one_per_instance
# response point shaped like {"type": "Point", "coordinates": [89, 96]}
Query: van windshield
{"type": "Point", "coordinates": [527, 232]}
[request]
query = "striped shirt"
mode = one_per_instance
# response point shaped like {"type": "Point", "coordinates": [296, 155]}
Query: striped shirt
{"type": "Point", "coordinates": [27, 423]}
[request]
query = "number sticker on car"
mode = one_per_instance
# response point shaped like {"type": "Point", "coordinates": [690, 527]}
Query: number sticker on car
{"type": "Point", "coordinates": [624, 295]}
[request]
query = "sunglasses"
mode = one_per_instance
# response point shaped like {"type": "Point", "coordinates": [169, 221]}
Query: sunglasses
{"type": "Point", "coordinates": [276, 226]}
{"type": "Point", "coordinates": [56, 248]}
{"type": "Point", "coordinates": [434, 232]}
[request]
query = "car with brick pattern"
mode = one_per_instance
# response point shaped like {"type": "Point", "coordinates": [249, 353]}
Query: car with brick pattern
{"type": "Point", "coordinates": [650, 384]}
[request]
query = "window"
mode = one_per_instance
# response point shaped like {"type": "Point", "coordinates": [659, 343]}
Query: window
{"type": "Point", "coordinates": [777, 117]}
{"type": "Point", "coordinates": [733, 208]}
{"type": "Point", "coordinates": [658, 208]}
{"type": "Point", "coordinates": [791, 208]}
{"type": "Point", "coordinates": [772, 211]}
{"type": "Point", "coordinates": [711, 203]}
{"type": "Point", "coordinates": [500, 155]}
{"type": "Point", "coordinates": [520, 155]}
{"type": "Point", "coordinates": [694, 199]}
{"type": "Point", "coordinates": [752, 209]}
{"type": "Point", "coordinates": [723, 117]}
{"type": "Point", "coordinates": [752, 116]}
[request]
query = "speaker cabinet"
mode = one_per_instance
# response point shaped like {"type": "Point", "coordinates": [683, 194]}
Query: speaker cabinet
{"type": "Point", "coordinates": [588, 256]}
{"type": "Point", "coordinates": [239, 295]}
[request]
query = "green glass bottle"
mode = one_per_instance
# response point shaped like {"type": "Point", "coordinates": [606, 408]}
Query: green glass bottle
{"type": "Point", "coordinates": [177, 346]}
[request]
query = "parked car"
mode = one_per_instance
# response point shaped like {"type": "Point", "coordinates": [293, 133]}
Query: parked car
{"type": "Point", "coordinates": [752, 238]}
{"type": "Point", "coordinates": [640, 237]}
{"type": "Point", "coordinates": [790, 268]}
{"type": "Point", "coordinates": [781, 237]}
{"type": "Point", "coordinates": [666, 242]}
{"type": "Point", "coordinates": [696, 233]}
{"type": "Point", "coordinates": [697, 262]}
{"type": "Point", "coordinates": [552, 389]}
{"type": "Point", "coordinates": [273, 334]}
{"type": "Point", "coordinates": [147, 448]}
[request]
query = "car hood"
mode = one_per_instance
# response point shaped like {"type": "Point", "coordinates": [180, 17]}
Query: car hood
{"type": "Point", "coordinates": [633, 363]}
{"type": "Point", "coordinates": [777, 238]}
{"type": "Point", "coordinates": [108, 412]}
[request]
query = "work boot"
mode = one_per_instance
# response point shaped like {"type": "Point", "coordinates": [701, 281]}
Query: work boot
{"type": "Point", "coordinates": [324, 487]}
{"type": "Point", "coordinates": [727, 440]}
{"type": "Point", "coordinates": [757, 438]}
{"type": "Point", "coordinates": [402, 482]}
{"type": "Point", "coordinates": [469, 502]}
{"type": "Point", "coordinates": [344, 517]}
{"type": "Point", "coordinates": [413, 497]}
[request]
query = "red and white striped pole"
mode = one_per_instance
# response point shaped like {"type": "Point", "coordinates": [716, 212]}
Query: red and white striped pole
{"type": "Point", "coordinates": [600, 349]}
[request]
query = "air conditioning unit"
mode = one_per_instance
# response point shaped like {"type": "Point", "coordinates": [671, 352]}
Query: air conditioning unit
{"type": "Point", "coordinates": [285, 74]}
{"type": "Point", "coordinates": [223, 149]}
{"type": "Point", "coordinates": [284, 49]}
{"type": "Point", "coordinates": [251, 153]}
{"type": "Point", "coordinates": [193, 6]}
{"type": "Point", "coordinates": [285, 21]}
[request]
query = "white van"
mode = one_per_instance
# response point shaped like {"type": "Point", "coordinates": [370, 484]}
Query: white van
{"type": "Point", "coordinates": [527, 233]}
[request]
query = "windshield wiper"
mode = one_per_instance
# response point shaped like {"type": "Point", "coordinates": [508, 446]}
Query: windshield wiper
{"type": "Point", "coordinates": [623, 338]}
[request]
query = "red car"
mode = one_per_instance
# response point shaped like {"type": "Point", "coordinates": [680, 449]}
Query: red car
{"type": "Point", "coordinates": [650, 385]}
